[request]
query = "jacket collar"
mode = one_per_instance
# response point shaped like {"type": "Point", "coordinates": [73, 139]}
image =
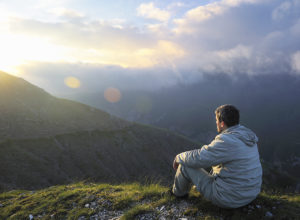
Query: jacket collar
{"type": "Point", "coordinates": [230, 129]}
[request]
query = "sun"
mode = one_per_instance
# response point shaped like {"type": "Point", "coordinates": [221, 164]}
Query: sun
{"type": "Point", "coordinates": [19, 49]}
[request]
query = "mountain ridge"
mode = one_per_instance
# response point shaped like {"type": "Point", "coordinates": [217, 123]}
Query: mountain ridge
{"type": "Point", "coordinates": [66, 141]}
{"type": "Point", "coordinates": [28, 111]}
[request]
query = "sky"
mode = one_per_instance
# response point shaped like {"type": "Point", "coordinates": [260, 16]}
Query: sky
{"type": "Point", "coordinates": [69, 46]}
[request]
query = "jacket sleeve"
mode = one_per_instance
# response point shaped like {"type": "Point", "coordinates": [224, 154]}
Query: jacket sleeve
{"type": "Point", "coordinates": [209, 155]}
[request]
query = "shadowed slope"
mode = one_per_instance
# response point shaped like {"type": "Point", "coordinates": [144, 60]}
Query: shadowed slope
{"type": "Point", "coordinates": [46, 141]}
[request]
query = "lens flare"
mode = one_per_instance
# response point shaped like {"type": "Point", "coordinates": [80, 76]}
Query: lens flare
{"type": "Point", "coordinates": [112, 95]}
{"type": "Point", "coordinates": [72, 82]}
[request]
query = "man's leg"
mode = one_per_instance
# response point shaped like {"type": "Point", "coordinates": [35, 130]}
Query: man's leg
{"type": "Point", "coordinates": [182, 184]}
{"type": "Point", "coordinates": [185, 176]}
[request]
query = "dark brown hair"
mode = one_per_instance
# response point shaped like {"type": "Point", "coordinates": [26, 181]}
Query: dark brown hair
{"type": "Point", "coordinates": [229, 114]}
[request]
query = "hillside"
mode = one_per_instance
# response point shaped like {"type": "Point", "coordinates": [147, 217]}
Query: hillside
{"type": "Point", "coordinates": [134, 201]}
{"type": "Point", "coordinates": [132, 153]}
{"type": "Point", "coordinates": [28, 111]}
{"type": "Point", "coordinates": [46, 141]}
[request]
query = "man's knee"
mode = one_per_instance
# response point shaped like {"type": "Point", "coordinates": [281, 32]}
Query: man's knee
{"type": "Point", "coordinates": [183, 171]}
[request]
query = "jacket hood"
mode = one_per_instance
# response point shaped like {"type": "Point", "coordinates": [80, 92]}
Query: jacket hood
{"type": "Point", "coordinates": [242, 133]}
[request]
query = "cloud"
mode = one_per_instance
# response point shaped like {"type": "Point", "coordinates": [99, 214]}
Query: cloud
{"type": "Point", "coordinates": [205, 12]}
{"type": "Point", "coordinates": [46, 4]}
{"type": "Point", "coordinates": [148, 10]}
{"type": "Point", "coordinates": [295, 29]}
{"type": "Point", "coordinates": [279, 12]}
{"type": "Point", "coordinates": [102, 42]}
{"type": "Point", "coordinates": [289, 8]}
{"type": "Point", "coordinates": [95, 77]}
{"type": "Point", "coordinates": [228, 36]}
{"type": "Point", "coordinates": [239, 37]}
{"type": "Point", "coordinates": [69, 14]}
{"type": "Point", "coordinates": [175, 5]}
{"type": "Point", "coordinates": [295, 60]}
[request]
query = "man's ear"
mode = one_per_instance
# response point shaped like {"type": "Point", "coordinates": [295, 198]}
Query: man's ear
{"type": "Point", "coordinates": [222, 124]}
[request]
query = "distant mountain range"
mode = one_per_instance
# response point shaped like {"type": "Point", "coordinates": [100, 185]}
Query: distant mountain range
{"type": "Point", "coordinates": [46, 141]}
{"type": "Point", "coordinates": [269, 105]}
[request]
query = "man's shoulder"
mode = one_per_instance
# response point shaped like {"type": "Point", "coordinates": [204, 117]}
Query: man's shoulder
{"type": "Point", "coordinates": [226, 138]}
{"type": "Point", "coordinates": [223, 137]}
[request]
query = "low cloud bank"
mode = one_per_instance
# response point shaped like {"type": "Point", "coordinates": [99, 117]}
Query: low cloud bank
{"type": "Point", "coordinates": [233, 37]}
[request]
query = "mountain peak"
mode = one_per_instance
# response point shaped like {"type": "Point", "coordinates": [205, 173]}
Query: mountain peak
{"type": "Point", "coordinates": [28, 111]}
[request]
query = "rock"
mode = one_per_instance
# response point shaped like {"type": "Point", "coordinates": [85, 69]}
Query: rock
{"type": "Point", "coordinates": [148, 216]}
{"type": "Point", "coordinates": [30, 217]}
{"type": "Point", "coordinates": [162, 218]}
{"type": "Point", "coordinates": [93, 205]}
{"type": "Point", "coordinates": [162, 208]}
{"type": "Point", "coordinates": [104, 202]}
{"type": "Point", "coordinates": [94, 217]}
{"type": "Point", "coordinates": [269, 214]}
{"type": "Point", "coordinates": [273, 207]}
{"type": "Point", "coordinates": [52, 216]}
{"type": "Point", "coordinates": [183, 219]}
{"type": "Point", "coordinates": [1, 205]}
{"type": "Point", "coordinates": [87, 205]}
{"type": "Point", "coordinates": [258, 206]}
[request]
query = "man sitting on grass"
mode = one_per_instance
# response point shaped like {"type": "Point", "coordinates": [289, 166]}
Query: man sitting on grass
{"type": "Point", "coordinates": [236, 175]}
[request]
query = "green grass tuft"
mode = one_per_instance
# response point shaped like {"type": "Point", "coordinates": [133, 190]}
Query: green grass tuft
{"type": "Point", "coordinates": [130, 200]}
{"type": "Point", "coordinates": [140, 209]}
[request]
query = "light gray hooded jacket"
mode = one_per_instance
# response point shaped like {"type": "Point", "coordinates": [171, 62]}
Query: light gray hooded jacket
{"type": "Point", "coordinates": [234, 158]}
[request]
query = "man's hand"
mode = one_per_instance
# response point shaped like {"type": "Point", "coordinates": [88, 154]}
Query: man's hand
{"type": "Point", "coordinates": [175, 164]}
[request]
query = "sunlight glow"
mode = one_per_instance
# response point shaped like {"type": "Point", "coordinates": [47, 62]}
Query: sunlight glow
{"type": "Point", "coordinates": [17, 50]}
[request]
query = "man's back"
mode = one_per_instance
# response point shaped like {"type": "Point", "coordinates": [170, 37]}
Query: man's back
{"type": "Point", "coordinates": [239, 175]}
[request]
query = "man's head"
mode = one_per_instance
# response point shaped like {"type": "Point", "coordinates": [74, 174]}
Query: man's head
{"type": "Point", "coordinates": [226, 116]}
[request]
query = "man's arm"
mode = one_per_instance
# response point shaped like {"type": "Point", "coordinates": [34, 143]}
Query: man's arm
{"type": "Point", "coordinates": [209, 155]}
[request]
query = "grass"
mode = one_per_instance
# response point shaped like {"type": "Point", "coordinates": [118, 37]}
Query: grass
{"type": "Point", "coordinates": [130, 200]}
{"type": "Point", "coordinates": [69, 201]}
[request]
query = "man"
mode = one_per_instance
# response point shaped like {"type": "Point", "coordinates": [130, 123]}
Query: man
{"type": "Point", "coordinates": [233, 155]}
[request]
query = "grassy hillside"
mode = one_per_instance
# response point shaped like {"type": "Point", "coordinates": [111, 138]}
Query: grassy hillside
{"type": "Point", "coordinates": [131, 153]}
{"type": "Point", "coordinates": [29, 112]}
{"type": "Point", "coordinates": [135, 201]}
